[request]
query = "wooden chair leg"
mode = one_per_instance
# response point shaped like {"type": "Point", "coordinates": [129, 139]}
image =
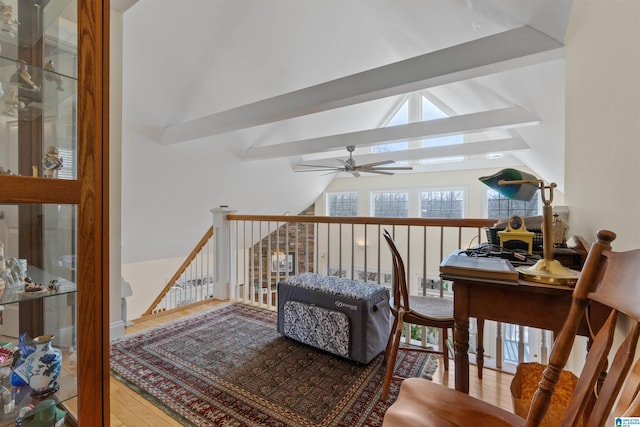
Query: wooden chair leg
{"type": "Point", "coordinates": [393, 355]}
{"type": "Point", "coordinates": [445, 348]}
{"type": "Point", "coordinates": [390, 340]}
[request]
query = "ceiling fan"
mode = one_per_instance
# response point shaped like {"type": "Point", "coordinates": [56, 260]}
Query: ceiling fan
{"type": "Point", "coordinates": [349, 165]}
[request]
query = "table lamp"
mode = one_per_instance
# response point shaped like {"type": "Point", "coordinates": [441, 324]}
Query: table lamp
{"type": "Point", "coordinates": [518, 185]}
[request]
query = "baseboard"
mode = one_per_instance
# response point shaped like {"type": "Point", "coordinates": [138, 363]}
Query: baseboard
{"type": "Point", "coordinates": [116, 329]}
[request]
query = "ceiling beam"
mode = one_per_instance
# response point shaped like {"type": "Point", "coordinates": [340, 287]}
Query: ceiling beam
{"type": "Point", "coordinates": [511, 49]}
{"type": "Point", "coordinates": [466, 149]}
{"type": "Point", "coordinates": [502, 118]}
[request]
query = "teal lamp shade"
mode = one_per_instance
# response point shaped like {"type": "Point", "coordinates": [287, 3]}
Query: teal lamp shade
{"type": "Point", "coordinates": [524, 191]}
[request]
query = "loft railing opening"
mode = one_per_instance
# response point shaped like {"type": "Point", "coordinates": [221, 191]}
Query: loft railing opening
{"type": "Point", "coordinates": [243, 257]}
{"type": "Point", "coordinates": [193, 282]}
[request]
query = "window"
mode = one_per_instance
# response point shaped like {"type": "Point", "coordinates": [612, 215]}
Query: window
{"type": "Point", "coordinates": [432, 112]}
{"type": "Point", "coordinates": [441, 204]}
{"type": "Point", "coordinates": [342, 204]}
{"type": "Point", "coordinates": [68, 170]}
{"type": "Point", "coordinates": [499, 206]}
{"type": "Point", "coordinates": [400, 117]}
{"type": "Point", "coordinates": [417, 107]}
{"type": "Point", "coordinates": [390, 205]}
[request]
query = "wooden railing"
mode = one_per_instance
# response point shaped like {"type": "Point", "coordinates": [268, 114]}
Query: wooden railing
{"type": "Point", "coordinates": [270, 248]}
{"type": "Point", "coordinates": [192, 282]}
{"type": "Point", "coordinates": [261, 250]}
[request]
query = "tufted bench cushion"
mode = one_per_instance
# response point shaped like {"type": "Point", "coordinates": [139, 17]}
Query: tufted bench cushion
{"type": "Point", "coordinates": [345, 317]}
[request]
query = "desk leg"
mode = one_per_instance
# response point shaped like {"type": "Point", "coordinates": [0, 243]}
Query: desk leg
{"type": "Point", "coordinates": [480, 346]}
{"type": "Point", "coordinates": [461, 346]}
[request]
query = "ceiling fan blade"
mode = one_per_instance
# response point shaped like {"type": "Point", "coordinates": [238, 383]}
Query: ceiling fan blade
{"type": "Point", "coordinates": [380, 171]}
{"type": "Point", "coordinates": [319, 170]}
{"type": "Point", "coordinates": [370, 165]}
{"type": "Point", "coordinates": [354, 173]}
{"type": "Point", "coordinates": [318, 166]}
{"type": "Point", "coordinates": [392, 168]}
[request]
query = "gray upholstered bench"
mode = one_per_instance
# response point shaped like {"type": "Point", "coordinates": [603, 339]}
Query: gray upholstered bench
{"type": "Point", "coordinates": [346, 317]}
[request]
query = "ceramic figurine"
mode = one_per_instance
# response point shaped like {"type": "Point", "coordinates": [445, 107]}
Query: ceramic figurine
{"type": "Point", "coordinates": [8, 23]}
{"type": "Point", "coordinates": [54, 285]}
{"type": "Point", "coordinates": [19, 357]}
{"type": "Point", "coordinates": [11, 273]}
{"type": "Point", "coordinates": [22, 76]}
{"type": "Point", "coordinates": [559, 230]}
{"type": "Point", "coordinates": [51, 76]}
{"type": "Point", "coordinates": [41, 369]}
{"type": "Point", "coordinates": [52, 162]}
{"type": "Point", "coordinates": [11, 101]}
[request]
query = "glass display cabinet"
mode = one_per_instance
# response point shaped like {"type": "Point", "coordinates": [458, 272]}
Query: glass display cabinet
{"type": "Point", "coordinates": [54, 209]}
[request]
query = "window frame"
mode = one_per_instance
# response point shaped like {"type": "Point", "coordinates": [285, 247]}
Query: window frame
{"type": "Point", "coordinates": [461, 189]}
{"type": "Point", "coordinates": [372, 202]}
{"type": "Point", "coordinates": [510, 210]}
{"type": "Point", "coordinates": [336, 193]}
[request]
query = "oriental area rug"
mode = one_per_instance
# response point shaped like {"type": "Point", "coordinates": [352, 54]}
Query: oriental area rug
{"type": "Point", "coordinates": [229, 366]}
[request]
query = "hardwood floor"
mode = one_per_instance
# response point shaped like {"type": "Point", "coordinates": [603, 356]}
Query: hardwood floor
{"type": "Point", "coordinates": [132, 410]}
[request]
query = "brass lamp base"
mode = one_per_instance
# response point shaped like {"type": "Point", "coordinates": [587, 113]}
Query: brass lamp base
{"type": "Point", "coordinates": [550, 272]}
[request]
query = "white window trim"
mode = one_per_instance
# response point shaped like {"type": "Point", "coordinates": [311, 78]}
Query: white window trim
{"type": "Point", "coordinates": [333, 193]}
{"type": "Point", "coordinates": [462, 188]}
{"type": "Point", "coordinates": [372, 193]}
{"type": "Point", "coordinates": [485, 203]}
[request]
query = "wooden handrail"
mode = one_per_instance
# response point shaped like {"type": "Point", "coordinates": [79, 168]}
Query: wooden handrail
{"type": "Point", "coordinates": [434, 222]}
{"type": "Point", "coordinates": [312, 219]}
{"type": "Point", "coordinates": [208, 235]}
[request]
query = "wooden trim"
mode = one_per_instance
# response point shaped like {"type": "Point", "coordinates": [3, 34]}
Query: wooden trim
{"type": "Point", "coordinates": [26, 189]}
{"type": "Point", "coordinates": [208, 235]}
{"type": "Point", "coordinates": [171, 311]}
{"type": "Point", "coordinates": [434, 222]}
{"type": "Point", "coordinates": [93, 238]}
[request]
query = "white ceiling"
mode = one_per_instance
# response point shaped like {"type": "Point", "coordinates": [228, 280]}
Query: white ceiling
{"type": "Point", "coordinates": [230, 71]}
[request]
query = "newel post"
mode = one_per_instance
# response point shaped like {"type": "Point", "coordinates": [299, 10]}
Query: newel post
{"type": "Point", "coordinates": [224, 253]}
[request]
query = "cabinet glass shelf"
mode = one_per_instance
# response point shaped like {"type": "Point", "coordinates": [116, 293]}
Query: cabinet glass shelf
{"type": "Point", "coordinates": [46, 113]}
{"type": "Point", "coordinates": [43, 235]}
{"type": "Point", "coordinates": [58, 312]}
{"type": "Point", "coordinates": [49, 25]}
{"type": "Point", "coordinates": [15, 398]}
{"type": "Point", "coordinates": [10, 295]}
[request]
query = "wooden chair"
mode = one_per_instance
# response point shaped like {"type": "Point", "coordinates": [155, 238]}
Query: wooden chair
{"type": "Point", "coordinates": [418, 310]}
{"type": "Point", "coordinates": [609, 278]}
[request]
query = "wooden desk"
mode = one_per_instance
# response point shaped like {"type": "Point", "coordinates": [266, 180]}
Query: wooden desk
{"type": "Point", "coordinates": [523, 303]}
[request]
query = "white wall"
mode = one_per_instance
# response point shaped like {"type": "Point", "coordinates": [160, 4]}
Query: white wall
{"type": "Point", "coordinates": [603, 122]}
{"type": "Point", "coordinates": [147, 280]}
{"type": "Point", "coordinates": [115, 181]}
{"type": "Point", "coordinates": [603, 118]}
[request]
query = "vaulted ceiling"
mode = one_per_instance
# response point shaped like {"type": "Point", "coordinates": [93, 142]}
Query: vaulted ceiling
{"type": "Point", "coordinates": [223, 91]}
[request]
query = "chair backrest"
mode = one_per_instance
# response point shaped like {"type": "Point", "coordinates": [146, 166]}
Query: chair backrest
{"type": "Point", "coordinates": [610, 279]}
{"type": "Point", "coordinates": [399, 287]}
